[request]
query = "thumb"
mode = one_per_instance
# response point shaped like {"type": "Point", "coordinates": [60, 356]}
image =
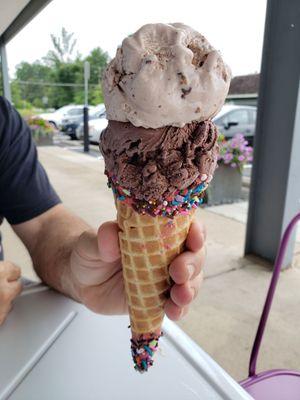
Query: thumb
{"type": "Point", "coordinates": [108, 242]}
{"type": "Point", "coordinates": [95, 256]}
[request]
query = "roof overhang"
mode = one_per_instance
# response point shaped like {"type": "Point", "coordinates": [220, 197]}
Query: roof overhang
{"type": "Point", "coordinates": [15, 14]}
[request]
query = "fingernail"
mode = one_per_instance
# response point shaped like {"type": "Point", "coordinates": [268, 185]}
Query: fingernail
{"type": "Point", "coordinates": [191, 270]}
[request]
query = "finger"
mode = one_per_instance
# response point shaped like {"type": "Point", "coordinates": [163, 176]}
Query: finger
{"type": "Point", "coordinates": [8, 294]}
{"type": "Point", "coordinates": [8, 271]}
{"type": "Point", "coordinates": [5, 309]}
{"type": "Point", "coordinates": [10, 291]}
{"type": "Point", "coordinates": [3, 315]}
{"type": "Point", "coordinates": [108, 242]}
{"type": "Point", "coordinates": [86, 261]}
{"type": "Point", "coordinates": [93, 272]}
{"type": "Point", "coordinates": [173, 311]}
{"type": "Point", "coordinates": [14, 272]}
{"type": "Point", "coordinates": [183, 295]}
{"type": "Point", "coordinates": [15, 288]}
{"type": "Point", "coordinates": [196, 236]}
{"type": "Point", "coordinates": [187, 266]}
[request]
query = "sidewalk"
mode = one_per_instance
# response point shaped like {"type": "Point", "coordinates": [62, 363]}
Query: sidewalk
{"type": "Point", "coordinates": [224, 317]}
{"type": "Point", "coordinates": [239, 212]}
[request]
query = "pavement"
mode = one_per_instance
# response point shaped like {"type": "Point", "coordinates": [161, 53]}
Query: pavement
{"type": "Point", "coordinates": [224, 317]}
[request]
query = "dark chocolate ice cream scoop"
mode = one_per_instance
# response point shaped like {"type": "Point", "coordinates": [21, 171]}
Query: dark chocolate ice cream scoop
{"type": "Point", "coordinates": [153, 163]}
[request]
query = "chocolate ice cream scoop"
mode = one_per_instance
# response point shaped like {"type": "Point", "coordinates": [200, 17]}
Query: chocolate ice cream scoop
{"type": "Point", "coordinates": [155, 163]}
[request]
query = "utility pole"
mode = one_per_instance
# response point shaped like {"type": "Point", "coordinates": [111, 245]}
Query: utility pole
{"type": "Point", "coordinates": [86, 139]}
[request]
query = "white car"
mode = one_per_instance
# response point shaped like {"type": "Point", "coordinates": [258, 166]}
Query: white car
{"type": "Point", "coordinates": [96, 126]}
{"type": "Point", "coordinates": [55, 118]}
{"type": "Point", "coordinates": [233, 119]}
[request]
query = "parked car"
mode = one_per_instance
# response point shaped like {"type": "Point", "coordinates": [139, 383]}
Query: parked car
{"type": "Point", "coordinates": [70, 124]}
{"type": "Point", "coordinates": [55, 118]}
{"type": "Point", "coordinates": [96, 126]}
{"type": "Point", "coordinates": [233, 119]}
{"type": "Point", "coordinates": [72, 120]}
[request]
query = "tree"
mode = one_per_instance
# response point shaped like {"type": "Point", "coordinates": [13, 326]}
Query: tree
{"type": "Point", "coordinates": [58, 77]}
{"type": "Point", "coordinates": [69, 74]}
{"type": "Point", "coordinates": [64, 46]}
{"type": "Point", "coordinates": [98, 60]}
{"type": "Point", "coordinates": [23, 89]}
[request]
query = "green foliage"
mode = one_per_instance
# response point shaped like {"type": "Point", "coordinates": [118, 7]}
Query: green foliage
{"type": "Point", "coordinates": [39, 127]}
{"type": "Point", "coordinates": [29, 112]}
{"type": "Point", "coordinates": [98, 60]}
{"type": "Point", "coordinates": [57, 79]}
{"type": "Point", "coordinates": [69, 73]}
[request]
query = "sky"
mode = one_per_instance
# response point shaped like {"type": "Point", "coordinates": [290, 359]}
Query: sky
{"type": "Point", "coordinates": [234, 27]}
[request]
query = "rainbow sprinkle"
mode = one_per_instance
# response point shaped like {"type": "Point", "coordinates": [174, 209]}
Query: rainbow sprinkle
{"type": "Point", "coordinates": [143, 349]}
{"type": "Point", "coordinates": [180, 202]}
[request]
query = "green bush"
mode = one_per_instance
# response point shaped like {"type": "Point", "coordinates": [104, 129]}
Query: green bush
{"type": "Point", "coordinates": [39, 127]}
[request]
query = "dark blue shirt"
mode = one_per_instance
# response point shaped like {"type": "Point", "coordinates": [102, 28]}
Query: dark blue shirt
{"type": "Point", "coordinates": [25, 191]}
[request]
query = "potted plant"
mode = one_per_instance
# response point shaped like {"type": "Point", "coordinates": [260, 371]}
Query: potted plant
{"type": "Point", "coordinates": [42, 131]}
{"type": "Point", "coordinates": [227, 183]}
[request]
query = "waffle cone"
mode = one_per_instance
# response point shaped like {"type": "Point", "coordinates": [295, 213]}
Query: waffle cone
{"type": "Point", "coordinates": [148, 245]}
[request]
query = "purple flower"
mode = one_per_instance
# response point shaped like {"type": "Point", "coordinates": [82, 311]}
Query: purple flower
{"type": "Point", "coordinates": [239, 136]}
{"type": "Point", "coordinates": [235, 152]}
{"type": "Point", "coordinates": [228, 157]}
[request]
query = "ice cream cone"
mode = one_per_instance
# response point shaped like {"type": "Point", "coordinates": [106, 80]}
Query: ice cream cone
{"type": "Point", "coordinates": [161, 91]}
{"type": "Point", "coordinates": [148, 246]}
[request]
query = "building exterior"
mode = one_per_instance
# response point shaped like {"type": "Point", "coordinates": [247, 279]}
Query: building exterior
{"type": "Point", "coordinates": [244, 90]}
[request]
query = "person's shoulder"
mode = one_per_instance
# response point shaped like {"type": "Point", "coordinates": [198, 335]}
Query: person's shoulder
{"type": "Point", "coordinates": [8, 120]}
{"type": "Point", "coordinates": [5, 105]}
{"type": "Point", "coordinates": [5, 111]}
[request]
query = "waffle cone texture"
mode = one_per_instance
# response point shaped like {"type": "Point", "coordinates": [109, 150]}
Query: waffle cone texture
{"type": "Point", "coordinates": [148, 246]}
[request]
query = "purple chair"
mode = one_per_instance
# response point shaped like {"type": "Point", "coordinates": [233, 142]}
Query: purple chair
{"type": "Point", "coordinates": [276, 384]}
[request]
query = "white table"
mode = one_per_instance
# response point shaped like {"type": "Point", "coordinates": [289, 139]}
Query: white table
{"type": "Point", "coordinates": [52, 348]}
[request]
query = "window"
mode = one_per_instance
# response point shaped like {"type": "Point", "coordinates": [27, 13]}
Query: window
{"type": "Point", "coordinates": [222, 120]}
{"type": "Point", "coordinates": [75, 111]}
{"type": "Point", "coordinates": [239, 116]}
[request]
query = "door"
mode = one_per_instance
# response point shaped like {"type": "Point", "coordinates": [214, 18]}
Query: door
{"type": "Point", "coordinates": [237, 121]}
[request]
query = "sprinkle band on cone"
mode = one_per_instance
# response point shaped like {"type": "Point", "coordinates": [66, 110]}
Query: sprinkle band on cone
{"type": "Point", "coordinates": [181, 202]}
{"type": "Point", "coordinates": [142, 349]}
